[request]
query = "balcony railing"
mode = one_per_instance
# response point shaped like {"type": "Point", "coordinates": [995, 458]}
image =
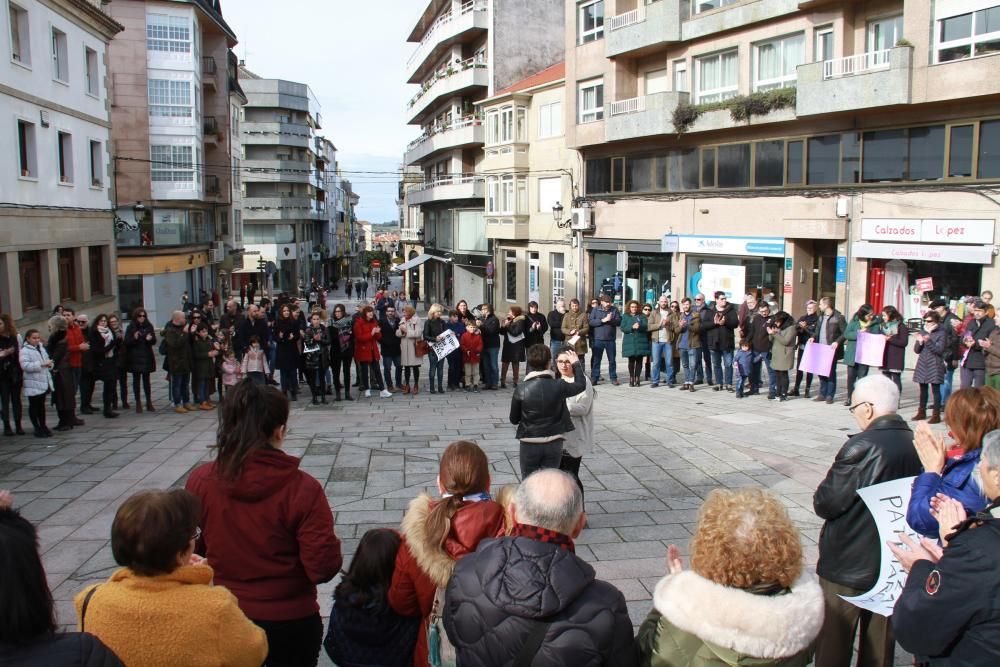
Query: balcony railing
{"type": "Point", "coordinates": [210, 124]}
{"type": "Point", "coordinates": [211, 185]}
{"type": "Point", "coordinates": [637, 15]}
{"type": "Point", "coordinates": [443, 20]}
{"type": "Point", "coordinates": [466, 121]}
{"type": "Point", "coordinates": [633, 105]}
{"type": "Point", "coordinates": [208, 65]}
{"type": "Point", "coordinates": [860, 63]}
{"type": "Point", "coordinates": [446, 180]}
{"type": "Point", "coordinates": [448, 70]}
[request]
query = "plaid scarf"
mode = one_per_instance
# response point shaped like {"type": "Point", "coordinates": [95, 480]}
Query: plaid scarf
{"type": "Point", "coordinates": [564, 542]}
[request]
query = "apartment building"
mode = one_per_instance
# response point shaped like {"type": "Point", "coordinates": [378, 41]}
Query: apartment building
{"type": "Point", "coordinates": [231, 229]}
{"type": "Point", "coordinates": [56, 222]}
{"type": "Point", "coordinates": [283, 197]}
{"type": "Point", "coordinates": [529, 173]}
{"type": "Point", "coordinates": [171, 150]}
{"type": "Point", "coordinates": [466, 50]}
{"type": "Point", "coordinates": [804, 149]}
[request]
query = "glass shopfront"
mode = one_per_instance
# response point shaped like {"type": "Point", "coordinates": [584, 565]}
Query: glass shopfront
{"type": "Point", "coordinates": [760, 274]}
{"type": "Point", "coordinates": [647, 277]}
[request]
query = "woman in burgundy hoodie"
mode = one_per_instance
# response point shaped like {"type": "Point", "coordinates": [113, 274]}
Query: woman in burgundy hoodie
{"type": "Point", "coordinates": [267, 529]}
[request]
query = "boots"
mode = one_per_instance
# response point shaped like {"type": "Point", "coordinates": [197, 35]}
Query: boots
{"type": "Point", "coordinates": [315, 400]}
{"type": "Point", "coordinates": [416, 389]}
{"type": "Point", "coordinates": [138, 407]}
{"type": "Point", "coordinates": [935, 417]}
{"type": "Point", "coordinates": [920, 416]}
{"type": "Point", "coordinates": [336, 396]}
{"type": "Point", "coordinates": [406, 389]}
{"type": "Point", "coordinates": [347, 394]}
{"type": "Point", "coordinates": [149, 406]}
{"type": "Point", "coordinates": [65, 420]}
{"type": "Point", "coordinates": [7, 430]}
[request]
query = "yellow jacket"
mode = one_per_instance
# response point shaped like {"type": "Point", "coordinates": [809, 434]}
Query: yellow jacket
{"type": "Point", "coordinates": [172, 619]}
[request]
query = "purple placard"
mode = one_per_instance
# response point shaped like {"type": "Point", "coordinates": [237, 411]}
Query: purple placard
{"type": "Point", "coordinates": [870, 349]}
{"type": "Point", "coordinates": [817, 359]}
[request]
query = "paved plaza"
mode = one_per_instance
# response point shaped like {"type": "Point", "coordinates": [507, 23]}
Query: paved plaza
{"type": "Point", "coordinates": [659, 452]}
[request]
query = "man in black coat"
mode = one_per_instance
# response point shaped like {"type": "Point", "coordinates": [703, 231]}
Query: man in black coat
{"type": "Point", "coordinates": [718, 325]}
{"type": "Point", "coordinates": [391, 346]}
{"type": "Point", "coordinates": [830, 331]}
{"type": "Point", "coordinates": [849, 549]}
{"type": "Point", "coordinates": [530, 596]}
{"type": "Point", "coordinates": [974, 359]}
{"type": "Point", "coordinates": [760, 343]}
{"type": "Point", "coordinates": [538, 407]}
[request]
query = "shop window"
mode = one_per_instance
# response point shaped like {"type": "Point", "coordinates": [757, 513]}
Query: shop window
{"type": "Point", "coordinates": [708, 167]}
{"type": "Point", "coordinates": [989, 149]}
{"type": "Point", "coordinates": [591, 27]}
{"type": "Point", "coordinates": [769, 159]}
{"type": "Point", "coordinates": [824, 160]}
{"type": "Point", "coordinates": [793, 166]}
{"type": "Point", "coordinates": [30, 269]}
{"type": "Point", "coordinates": [926, 161]}
{"type": "Point", "coordinates": [734, 166]}
{"type": "Point", "coordinates": [960, 152]}
{"type": "Point", "coordinates": [510, 275]}
{"type": "Point", "coordinates": [850, 157]}
{"type": "Point", "coordinates": [67, 274]}
{"type": "Point", "coordinates": [683, 170]}
{"type": "Point", "coordinates": [639, 174]}
{"type": "Point", "coordinates": [95, 258]}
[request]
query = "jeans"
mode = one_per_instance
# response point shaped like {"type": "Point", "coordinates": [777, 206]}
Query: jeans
{"type": "Point", "coordinates": [722, 366]}
{"type": "Point", "coordinates": [936, 391]}
{"type": "Point", "coordinates": [272, 355]}
{"type": "Point", "coordinates": [537, 455]}
{"type": "Point", "coordinates": [828, 385]}
{"type": "Point", "coordinates": [949, 378]}
{"type": "Point", "coordinates": [289, 381]}
{"type": "Point", "coordinates": [973, 377]}
{"type": "Point", "coordinates": [706, 361]}
{"type": "Point", "coordinates": [317, 381]}
{"type": "Point", "coordinates": [455, 368]}
{"type": "Point", "coordinates": [691, 363]}
{"type": "Point", "coordinates": [368, 377]}
{"type": "Point", "coordinates": [663, 351]}
{"type": "Point", "coordinates": [387, 363]}
{"type": "Point", "coordinates": [741, 384]}
{"type": "Point", "coordinates": [763, 359]}
{"type": "Point", "coordinates": [202, 388]}
{"type": "Point", "coordinates": [143, 379]}
{"type": "Point", "coordinates": [491, 371]}
{"type": "Point", "coordinates": [179, 383]}
{"type": "Point", "coordinates": [436, 370]}
{"type": "Point", "coordinates": [608, 348]}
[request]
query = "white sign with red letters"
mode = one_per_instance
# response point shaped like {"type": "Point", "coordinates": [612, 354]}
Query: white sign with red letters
{"type": "Point", "coordinates": [928, 230]}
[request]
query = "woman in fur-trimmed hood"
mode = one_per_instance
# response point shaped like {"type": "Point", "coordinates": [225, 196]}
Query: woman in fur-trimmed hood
{"type": "Point", "coordinates": [437, 533]}
{"type": "Point", "coordinates": [746, 600]}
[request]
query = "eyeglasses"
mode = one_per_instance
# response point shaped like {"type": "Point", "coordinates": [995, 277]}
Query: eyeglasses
{"type": "Point", "coordinates": [721, 298]}
{"type": "Point", "coordinates": [564, 362]}
{"type": "Point", "coordinates": [928, 321]}
{"type": "Point", "coordinates": [196, 317]}
{"type": "Point", "coordinates": [696, 299]}
{"type": "Point", "coordinates": [854, 407]}
{"type": "Point", "coordinates": [139, 317]}
{"type": "Point", "coordinates": [646, 310]}
{"type": "Point", "coordinates": [197, 533]}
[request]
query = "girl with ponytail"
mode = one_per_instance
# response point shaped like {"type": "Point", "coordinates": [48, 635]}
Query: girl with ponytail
{"type": "Point", "coordinates": [266, 526]}
{"type": "Point", "coordinates": [437, 533]}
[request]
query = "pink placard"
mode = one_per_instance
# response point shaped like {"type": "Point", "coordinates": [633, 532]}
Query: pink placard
{"type": "Point", "coordinates": [817, 359]}
{"type": "Point", "coordinates": [870, 349]}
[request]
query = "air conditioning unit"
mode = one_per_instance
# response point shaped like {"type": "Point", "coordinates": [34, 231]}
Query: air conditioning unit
{"type": "Point", "coordinates": [215, 256]}
{"type": "Point", "coordinates": [582, 220]}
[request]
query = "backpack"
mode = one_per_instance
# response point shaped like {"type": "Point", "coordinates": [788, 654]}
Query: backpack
{"type": "Point", "coordinates": [440, 650]}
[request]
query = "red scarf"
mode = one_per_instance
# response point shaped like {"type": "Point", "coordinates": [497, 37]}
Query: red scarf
{"type": "Point", "coordinates": [564, 542]}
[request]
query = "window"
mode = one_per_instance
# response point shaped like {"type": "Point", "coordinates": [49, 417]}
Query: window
{"type": "Point", "coordinates": [550, 120]}
{"type": "Point", "coordinates": [775, 62]}
{"type": "Point", "coordinates": [591, 100]}
{"type": "Point", "coordinates": [598, 175]}
{"type": "Point", "coordinates": [67, 274]}
{"type": "Point", "coordinates": [510, 275]}
{"type": "Point", "coordinates": [520, 124]}
{"type": "Point", "coordinates": [681, 77]}
{"type": "Point", "coordinates": [171, 99]}
{"type": "Point", "coordinates": [823, 46]}
{"type": "Point", "coordinates": [617, 174]}
{"type": "Point", "coordinates": [708, 167]}
{"type": "Point", "coordinates": [656, 81]}
{"type": "Point", "coordinates": [734, 166]}
{"type": "Point", "coordinates": [824, 160]}
{"type": "Point", "coordinates": [699, 6]}
{"type": "Point", "coordinates": [95, 258]}
{"type": "Point", "coordinates": [884, 33]}
{"type": "Point", "coordinates": [96, 165]}
{"type": "Point", "coordinates": [557, 262]}
{"type": "Point", "coordinates": [171, 163]}
{"type": "Point", "coordinates": [92, 74]}
{"type": "Point", "coordinates": [718, 78]}
{"type": "Point", "coordinates": [639, 174]}
{"type": "Point", "coordinates": [506, 124]}
{"type": "Point", "coordinates": [549, 190]}
{"type": "Point", "coordinates": [683, 166]}
{"type": "Point", "coordinates": [989, 149]}
{"type": "Point", "coordinates": [769, 158]}
{"type": "Point", "coordinates": [926, 153]}
{"type": "Point", "coordinates": [850, 157]}
{"type": "Point", "coordinates": [591, 25]}
{"type": "Point", "coordinates": [20, 35]}
{"type": "Point", "coordinates": [168, 33]}
{"type": "Point", "coordinates": [793, 166]}
{"type": "Point", "coordinates": [26, 149]}
{"type": "Point", "coordinates": [30, 268]}
{"type": "Point", "coordinates": [960, 152]}
{"type": "Point", "coordinates": [968, 35]}
{"type": "Point", "coordinates": [885, 156]}
{"type": "Point", "coordinates": [65, 151]}
{"type": "Point", "coordinates": [60, 56]}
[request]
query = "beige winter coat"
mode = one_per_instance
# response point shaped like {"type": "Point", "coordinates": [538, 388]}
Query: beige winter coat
{"type": "Point", "coordinates": [413, 330]}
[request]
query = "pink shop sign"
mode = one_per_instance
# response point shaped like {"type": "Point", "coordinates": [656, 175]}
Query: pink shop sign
{"type": "Point", "coordinates": [971, 254]}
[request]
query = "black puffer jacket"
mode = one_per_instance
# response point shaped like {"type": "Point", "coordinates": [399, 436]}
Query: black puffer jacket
{"type": "Point", "coordinates": [72, 649]}
{"type": "Point", "coordinates": [538, 406]}
{"type": "Point", "coordinates": [849, 552]}
{"type": "Point", "coordinates": [139, 351]}
{"type": "Point", "coordinates": [717, 334]}
{"type": "Point", "coordinates": [497, 592]}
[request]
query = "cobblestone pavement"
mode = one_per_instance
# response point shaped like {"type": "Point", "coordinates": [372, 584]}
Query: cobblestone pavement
{"type": "Point", "coordinates": [658, 453]}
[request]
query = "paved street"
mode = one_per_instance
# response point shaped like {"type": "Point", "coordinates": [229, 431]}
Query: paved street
{"type": "Point", "coordinates": [659, 453]}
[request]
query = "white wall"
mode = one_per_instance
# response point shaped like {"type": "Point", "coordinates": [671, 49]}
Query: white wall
{"type": "Point", "coordinates": [161, 296]}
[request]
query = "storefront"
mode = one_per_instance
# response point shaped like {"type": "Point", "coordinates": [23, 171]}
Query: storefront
{"type": "Point", "coordinates": [732, 264]}
{"type": "Point", "coordinates": [647, 276]}
{"type": "Point", "coordinates": [913, 260]}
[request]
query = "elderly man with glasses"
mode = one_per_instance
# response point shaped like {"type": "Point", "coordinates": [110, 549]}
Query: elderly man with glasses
{"type": "Point", "coordinates": [849, 550]}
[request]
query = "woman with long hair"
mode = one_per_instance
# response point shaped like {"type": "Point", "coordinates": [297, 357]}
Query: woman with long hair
{"type": "Point", "coordinates": [103, 354]}
{"type": "Point", "coordinates": [341, 350]}
{"type": "Point", "coordinates": [635, 340]}
{"type": "Point", "coordinates": [121, 370]}
{"type": "Point", "coordinates": [434, 328]}
{"type": "Point", "coordinates": [367, 334]}
{"type": "Point", "coordinates": [782, 333]}
{"type": "Point", "coordinates": [410, 330]}
{"type": "Point", "coordinates": [490, 331]}
{"type": "Point", "coordinates": [864, 320]}
{"type": "Point", "coordinates": [897, 337]}
{"type": "Point", "coordinates": [62, 373]}
{"type": "Point", "coordinates": [36, 369]}
{"type": "Point", "coordinates": [513, 329]}
{"type": "Point", "coordinates": [267, 529]}
{"type": "Point", "coordinates": [287, 336]}
{"type": "Point", "coordinates": [438, 532]}
{"type": "Point", "coordinates": [10, 376]}
{"type": "Point", "coordinates": [363, 629]}
{"type": "Point", "coordinates": [140, 341]}
{"type": "Point", "coordinates": [932, 342]}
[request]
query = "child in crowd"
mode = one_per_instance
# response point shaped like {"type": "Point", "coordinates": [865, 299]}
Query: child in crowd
{"type": "Point", "coordinates": [742, 366]}
{"type": "Point", "coordinates": [364, 630]}
{"type": "Point", "coordinates": [471, 345]}
{"type": "Point", "coordinates": [255, 362]}
{"type": "Point", "coordinates": [232, 372]}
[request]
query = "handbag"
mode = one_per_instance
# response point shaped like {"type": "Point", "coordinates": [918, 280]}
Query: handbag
{"type": "Point", "coordinates": [421, 347]}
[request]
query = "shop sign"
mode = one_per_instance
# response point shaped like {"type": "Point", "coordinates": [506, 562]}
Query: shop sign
{"type": "Point", "coordinates": [980, 254]}
{"type": "Point", "coordinates": [752, 246]}
{"type": "Point", "coordinates": [925, 284]}
{"type": "Point", "coordinates": [841, 269]}
{"type": "Point", "coordinates": [788, 287]}
{"type": "Point", "coordinates": [927, 230]}
{"type": "Point", "coordinates": [670, 243]}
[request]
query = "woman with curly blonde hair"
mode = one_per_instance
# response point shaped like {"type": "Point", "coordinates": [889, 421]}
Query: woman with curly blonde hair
{"type": "Point", "coordinates": [746, 598]}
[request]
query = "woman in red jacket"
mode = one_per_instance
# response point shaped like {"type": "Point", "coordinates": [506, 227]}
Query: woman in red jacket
{"type": "Point", "coordinates": [366, 336]}
{"type": "Point", "coordinates": [267, 529]}
{"type": "Point", "coordinates": [436, 533]}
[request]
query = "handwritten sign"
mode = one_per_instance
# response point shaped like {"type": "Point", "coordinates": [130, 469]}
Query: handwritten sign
{"type": "Point", "coordinates": [887, 503]}
{"type": "Point", "coordinates": [870, 349]}
{"type": "Point", "coordinates": [445, 346]}
{"type": "Point", "coordinates": [817, 359]}
{"type": "Point", "coordinates": [925, 284]}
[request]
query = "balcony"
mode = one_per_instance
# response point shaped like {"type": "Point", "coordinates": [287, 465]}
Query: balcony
{"type": "Point", "coordinates": [506, 157]}
{"type": "Point", "coordinates": [276, 133]}
{"type": "Point", "coordinates": [646, 116]}
{"type": "Point", "coordinates": [862, 81]}
{"type": "Point", "coordinates": [212, 188]}
{"type": "Point", "coordinates": [211, 135]}
{"type": "Point", "coordinates": [732, 17]}
{"type": "Point", "coordinates": [192, 231]}
{"type": "Point", "coordinates": [208, 73]}
{"type": "Point", "coordinates": [466, 186]}
{"type": "Point", "coordinates": [275, 170]}
{"type": "Point", "coordinates": [644, 28]}
{"type": "Point", "coordinates": [278, 208]}
{"type": "Point", "coordinates": [451, 80]}
{"type": "Point", "coordinates": [410, 234]}
{"type": "Point", "coordinates": [508, 229]}
{"type": "Point", "coordinates": [449, 29]}
{"type": "Point", "coordinates": [458, 134]}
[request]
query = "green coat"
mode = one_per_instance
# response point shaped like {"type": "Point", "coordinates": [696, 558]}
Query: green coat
{"type": "Point", "coordinates": [204, 365]}
{"type": "Point", "coordinates": [178, 346]}
{"type": "Point", "coordinates": [783, 349]}
{"type": "Point", "coordinates": [851, 336]}
{"type": "Point", "coordinates": [635, 342]}
{"type": "Point", "coordinates": [576, 322]}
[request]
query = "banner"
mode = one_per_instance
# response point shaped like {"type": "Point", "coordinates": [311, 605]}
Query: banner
{"type": "Point", "coordinates": [446, 345]}
{"type": "Point", "coordinates": [817, 359]}
{"type": "Point", "coordinates": [870, 349]}
{"type": "Point", "coordinates": [887, 503]}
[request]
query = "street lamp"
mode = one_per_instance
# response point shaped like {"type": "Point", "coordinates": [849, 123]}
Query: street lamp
{"type": "Point", "coordinates": [557, 211]}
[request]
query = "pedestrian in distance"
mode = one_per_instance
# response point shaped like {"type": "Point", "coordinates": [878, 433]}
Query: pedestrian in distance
{"type": "Point", "coordinates": [36, 369]}
{"type": "Point", "coordinates": [513, 329]}
{"type": "Point", "coordinates": [805, 330]}
{"type": "Point", "coordinates": [864, 321]}
{"type": "Point", "coordinates": [663, 325]}
{"type": "Point", "coordinates": [120, 363]}
{"type": "Point", "coordinates": [576, 327]}
{"type": "Point", "coordinates": [411, 329]}
{"type": "Point", "coordinates": [930, 346]}
{"type": "Point", "coordinates": [254, 365]}
{"type": "Point", "coordinates": [341, 331]}
{"type": "Point", "coordinates": [782, 334]}
{"type": "Point", "coordinates": [455, 371]}
{"type": "Point", "coordinates": [557, 339]}
{"type": "Point", "coordinates": [434, 328]}
{"type": "Point", "coordinates": [177, 335]}
{"type": "Point", "coordinates": [635, 340]}
{"type": "Point", "coordinates": [391, 348]}
{"type": "Point", "coordinates": [830, 331]}
{"type": "Point", "coordinates": [62, 374]}
{"type": "Point", "coordinates": [973, 361]}
{"type": "Point", "coordinates": [604, 321]}
{"type": "Point", "coordinates": [897, 337]}
{"type": "Point", "coordinates": [316, 357]}
{"type": "Point", "coordinates": [140, 341]}
{"type": "Point", "coordinates": [536, 326]}
{"type": "Point", "coordinates": [471, 347]}
{"type": "Point", "coordinates": [104, 361]}
{"type": "Point", "coordinates": [689, 343]}
{"type": "Point", "coordinates": [580, 440]}
{"type": "Point", "coordinates": [287, 336]}
{"type": "Point", "coordinates": [367, 333]}
{"type": "Point", "coordinates": [743, 367]}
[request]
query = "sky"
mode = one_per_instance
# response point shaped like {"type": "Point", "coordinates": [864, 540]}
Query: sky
{"type": "Point", "coordinates": [352, 55]}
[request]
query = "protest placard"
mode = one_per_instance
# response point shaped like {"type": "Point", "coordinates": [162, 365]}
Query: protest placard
{"type": "Point", "coordinates": [817, 359]}
{"type": "Point", "coordinates": [870, 349]}
{"type": "Point", "coordinates": [445, 346]}
{"type": "Point", "coordinates": [887, 503]}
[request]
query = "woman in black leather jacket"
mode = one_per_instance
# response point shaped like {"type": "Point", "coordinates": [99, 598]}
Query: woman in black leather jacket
{"type": "Point", "coordinates": [490, 331]}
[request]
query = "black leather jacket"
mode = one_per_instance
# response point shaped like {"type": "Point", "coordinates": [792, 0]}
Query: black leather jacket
{"type": "Point", "coordinates": [539, 403]}
{"type": "Point", "coordinates": [849, 552]}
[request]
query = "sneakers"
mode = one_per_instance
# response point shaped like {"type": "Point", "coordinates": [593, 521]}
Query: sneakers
{"type": "Point", "coordinates": [368, 393]}
{"type": "Point", "coordinates": [385, 393]}
{"type": "Point", "coordinates": [180, 410]}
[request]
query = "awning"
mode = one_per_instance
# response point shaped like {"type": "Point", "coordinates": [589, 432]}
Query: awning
{"type": "Point", "coordinates": [417, 261]}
